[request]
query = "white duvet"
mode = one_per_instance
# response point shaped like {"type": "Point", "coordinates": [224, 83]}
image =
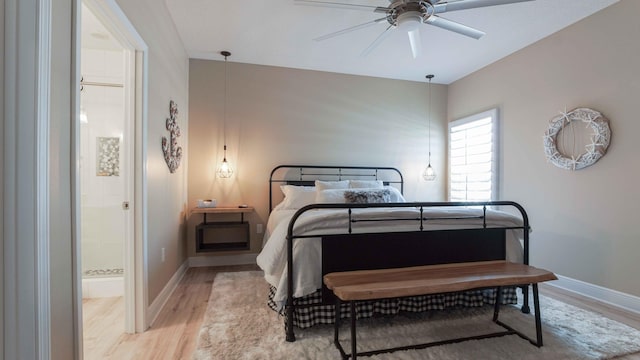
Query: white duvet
{"type": "Point", "coordinates": [307, 251]}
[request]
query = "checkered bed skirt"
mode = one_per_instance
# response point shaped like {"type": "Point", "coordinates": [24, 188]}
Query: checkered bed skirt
{"type": "Point", "coordinates": [308, 310]}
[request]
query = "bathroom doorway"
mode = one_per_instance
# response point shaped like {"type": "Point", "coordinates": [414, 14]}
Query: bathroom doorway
{"type": "Point", "coordinates": [106, 183]}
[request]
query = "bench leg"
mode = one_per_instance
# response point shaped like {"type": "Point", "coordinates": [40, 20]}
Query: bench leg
{"type": "Point", "coordinates": [525, 299]}
{"type": "Point", "coordinates": [336, 331]}
{"type": "Point", "coordinates": [496, 306]}
{"type": "Point", "coordinates": [353, 330]}
{"type": "Point", "coordinates": [337, 321]}
{"type": "Point", "coordinates": [536, 305]}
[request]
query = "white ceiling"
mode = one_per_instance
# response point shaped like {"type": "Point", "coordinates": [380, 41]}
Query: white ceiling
{"type": "Point", "coordinates": [280, 33]}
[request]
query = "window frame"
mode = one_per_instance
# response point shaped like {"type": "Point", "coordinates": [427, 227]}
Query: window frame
{"type": "Point", "coordinates": [495, 152]}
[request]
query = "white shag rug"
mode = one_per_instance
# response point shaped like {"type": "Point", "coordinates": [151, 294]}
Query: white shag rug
{"type": "Point", "coordinates": [238, 324]}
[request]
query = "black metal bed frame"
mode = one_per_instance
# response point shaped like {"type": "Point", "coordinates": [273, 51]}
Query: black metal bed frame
{"type": "Point", "coordinates": [305, 175]}
{"type": "Point", "coordinates": [393, 249]}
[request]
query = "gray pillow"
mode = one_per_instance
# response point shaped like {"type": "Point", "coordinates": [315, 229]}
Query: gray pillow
{"type": "Point", "coordinates": [376, 196]}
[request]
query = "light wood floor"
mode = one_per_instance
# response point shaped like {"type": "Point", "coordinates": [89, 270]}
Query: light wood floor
{"type": "Point", "coordinates": [172, 336]}
{"type": "Point", "coordinates": [174, 333]}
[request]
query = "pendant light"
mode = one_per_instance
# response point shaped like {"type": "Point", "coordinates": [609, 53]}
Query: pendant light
{"type": "Point", "coordinates": [429, 174]}
{"type": "Point", "coordinates": [225, 171]}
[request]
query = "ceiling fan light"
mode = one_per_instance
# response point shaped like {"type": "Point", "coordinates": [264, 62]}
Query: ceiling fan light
{"type": "Point", "coordinates": [409, 21]}
{"type": "Point", "coordinates": [415, 42]}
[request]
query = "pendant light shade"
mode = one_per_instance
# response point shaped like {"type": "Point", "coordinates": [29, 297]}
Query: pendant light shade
{"type": "Point", "coordinates": [429, 174]}
{"type": "Point", "coordinates": [225, 170]}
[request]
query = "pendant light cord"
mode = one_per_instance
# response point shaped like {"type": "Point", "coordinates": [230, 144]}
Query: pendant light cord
{"type": "Point", "coordinates": [429, 173]}
{"type": "Point", "coordinates": [224, 119]}
{"type": "Point", "coordinates": [430, 77]}
{"type": "Point", "coordinates": [225, 171]}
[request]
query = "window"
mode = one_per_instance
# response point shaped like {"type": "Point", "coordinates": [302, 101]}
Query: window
{"type": "Point", "coordinates": [473, 157]}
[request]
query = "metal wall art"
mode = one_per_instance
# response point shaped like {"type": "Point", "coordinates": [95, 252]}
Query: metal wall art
{"type": "Point", "coordinates": [593, 150]}
{"type": "Point", "coordinates": [172, 152]}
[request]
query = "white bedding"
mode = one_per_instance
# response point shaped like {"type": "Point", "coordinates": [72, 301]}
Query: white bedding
{"type": "Point", "coordinates": [307, 251]}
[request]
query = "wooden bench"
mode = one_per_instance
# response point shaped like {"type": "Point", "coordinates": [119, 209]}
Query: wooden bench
{"type": "Point", "coordinates": [355, 286]}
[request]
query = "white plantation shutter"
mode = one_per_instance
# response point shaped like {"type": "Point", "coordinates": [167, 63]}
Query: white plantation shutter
{"type": "Point", "coordinates": [473, 154]}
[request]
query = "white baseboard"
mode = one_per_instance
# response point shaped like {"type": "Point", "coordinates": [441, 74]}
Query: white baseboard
{"type": "Point", "coordinates": [608, 296]}
{"type": "Point", "coordinates": [197, 261]}
{"type": "Point", "coordinates": [222, 260]}
{"type": "Point", "coordinates": [154, 309]}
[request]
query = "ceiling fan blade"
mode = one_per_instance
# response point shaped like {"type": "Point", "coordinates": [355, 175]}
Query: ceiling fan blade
{"type": "Point", "coordinates": [349, 29]}
{"type": "Point", "coordinates": [454, 26]}
{"type": "Point", "coordinates": [470, 4]}
{"type": "Point", "coordinates": [377, 41]}
{"type": "Point", "coordinates": [415, 42]}
{"type": "Point", "coordinates": [341, 5]}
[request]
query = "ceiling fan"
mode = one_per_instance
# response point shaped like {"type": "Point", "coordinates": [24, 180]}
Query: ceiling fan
{"type": "Point", "coordinates": [408, 15]}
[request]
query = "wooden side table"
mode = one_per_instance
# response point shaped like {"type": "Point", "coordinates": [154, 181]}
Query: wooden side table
{"type": "Point", "coordinates": [216, 235]}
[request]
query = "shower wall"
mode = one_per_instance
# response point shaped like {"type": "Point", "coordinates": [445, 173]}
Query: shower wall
{"type": "Point", "coordinates": [101, 180]}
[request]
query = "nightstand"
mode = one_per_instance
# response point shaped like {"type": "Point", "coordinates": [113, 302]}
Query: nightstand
{"type": "Point", "coordinates": [222, 235]}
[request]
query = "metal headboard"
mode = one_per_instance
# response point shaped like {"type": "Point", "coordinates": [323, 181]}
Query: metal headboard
{"type": "Point", "coordinates": [306, 175]}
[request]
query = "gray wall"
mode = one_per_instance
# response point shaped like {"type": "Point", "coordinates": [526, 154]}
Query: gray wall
{"type": "Point", "coordinates": [584, 222]}
{"type": "Point", "coordinates": [168, 80]}
{"type": "Point", "coordinates": [287, 116]}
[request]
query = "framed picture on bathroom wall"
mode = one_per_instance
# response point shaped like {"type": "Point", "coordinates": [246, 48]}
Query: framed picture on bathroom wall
{"type": "Point", "coordinates": [108, 156]}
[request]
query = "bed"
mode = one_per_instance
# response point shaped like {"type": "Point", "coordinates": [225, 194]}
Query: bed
{"type": "Point", "coordinates": [330, 218]}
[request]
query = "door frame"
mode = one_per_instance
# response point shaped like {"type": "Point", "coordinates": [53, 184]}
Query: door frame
{"type": "Point", "coordinates": [26, 117]}
{"type": "Point", "coordinates": [136, 89]}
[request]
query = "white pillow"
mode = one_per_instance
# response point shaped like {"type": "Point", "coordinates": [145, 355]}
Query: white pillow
{"type": "Point", "coordinates": [296, 197]}
{"type": "Point", "coordinates": [324, 185]}
{"type": "Point", "coordinates": [336, 196]}
{"type": "Point", "coordinates": [330, 196]}
{"type": "Point", "coordinates": [396, 195]}
{"type": "Point", "coordinates": [366, 184]}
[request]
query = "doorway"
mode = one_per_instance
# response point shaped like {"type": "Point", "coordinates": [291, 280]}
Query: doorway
{"type": "Point", "coordinates": [110, 188]}
{"type": "Point", "coordinates": [106, 179]}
